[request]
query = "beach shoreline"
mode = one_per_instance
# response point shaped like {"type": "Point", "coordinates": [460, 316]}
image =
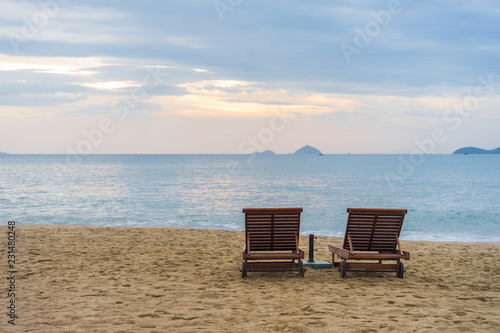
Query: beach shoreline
{"type": "Point", "coordinates": [145, 279]}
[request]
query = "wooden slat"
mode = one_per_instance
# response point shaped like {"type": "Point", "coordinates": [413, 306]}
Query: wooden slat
{"type": "Point", "coordinates": [376, 211]}
{"type": "Point", "coordinates": [273, 210]}
{"type": "Point", "coordinates": [274, 232]}
{"type": "Point", "coordinates": [271, 266]}
{"type": "Point", "coordinates": [373, 229]}
{"type": "Point", "coordinates": [355, 266]}
{"type": "Point", "coordinates": [377, 256]}
{"type": "Point", "coordinates": [271, 256]}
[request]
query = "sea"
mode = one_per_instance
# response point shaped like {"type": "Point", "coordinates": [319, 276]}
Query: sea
{"type": "Point", "coordinates": [448, 197]}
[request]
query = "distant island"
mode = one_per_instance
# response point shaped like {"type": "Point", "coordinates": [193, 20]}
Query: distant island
{"type": "Point", "coordinates": [266, 152]}
{"type": "Point", "coordinates": [475, 150]}
{"type": "Point", "coordinates": [307, 150]}
{"type": "Point", "coordinates": [2, 153]}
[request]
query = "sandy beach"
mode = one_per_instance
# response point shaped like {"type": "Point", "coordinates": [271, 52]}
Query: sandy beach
{"type": "Point", "coordinates": [116, 279]}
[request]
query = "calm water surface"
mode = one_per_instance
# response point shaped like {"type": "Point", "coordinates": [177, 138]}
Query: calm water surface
{"type": "Point", "coordinates": [449, 197]}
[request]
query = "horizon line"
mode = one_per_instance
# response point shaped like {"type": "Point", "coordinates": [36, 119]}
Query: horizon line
{"type": "Point", "coordinates": [233, 154]}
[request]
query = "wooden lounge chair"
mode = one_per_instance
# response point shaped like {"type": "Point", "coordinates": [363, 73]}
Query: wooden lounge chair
{"type": "Point", "coordinates": [371, 235]}
{"type": "Point", "coordinates": [272, 240]}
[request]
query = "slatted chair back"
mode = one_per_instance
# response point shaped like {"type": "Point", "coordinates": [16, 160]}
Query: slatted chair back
{"type": "Point", "coordinates": [272, 229]}
{"type": "Point", "coordinates": [373, 229]}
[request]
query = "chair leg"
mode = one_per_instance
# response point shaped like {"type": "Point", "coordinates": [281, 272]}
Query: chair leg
{"type": "Point", "coordinates": [343, 268]}
{"type": "Point", "coordinates": [400, 269]}
{"type": "Point", "coordinates": [244, 270]}
{"type": "Point", "coordinates": [335, 264]}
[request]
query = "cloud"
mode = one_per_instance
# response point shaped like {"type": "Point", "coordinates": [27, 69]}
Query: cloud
{"type": "Point", "coordinates": [58, 65]}
{"type": "Point", "coordinates": [219, 85]}
{"type": "Point", "coordinates": [111, 85]}
{"type": "Point", "coordinates": [232, 98]}
{"type": "Point", "coordinates": [37, 100]}
{"type": "Point", "coordinates": [264, 57]}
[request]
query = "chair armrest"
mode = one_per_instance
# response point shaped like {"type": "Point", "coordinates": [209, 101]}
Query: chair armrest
{"type": "Point", "coordinates": [351, 248]}
{"type": "Point", "coordinates": [245, 253]}
{"type": "Point", "coordinates": [406, 254]}
{"type": "Point", "coordinates": [339, 250]}
{"type": "Point", "coordinates": [399, 245]}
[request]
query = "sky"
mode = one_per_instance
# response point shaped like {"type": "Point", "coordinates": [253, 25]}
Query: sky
{"type": "Point", "coordinates": [239, 76]}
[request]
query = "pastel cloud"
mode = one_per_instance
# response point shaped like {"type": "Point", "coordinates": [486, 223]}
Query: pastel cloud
{"type": "Point", "coordinates": [263, 58]}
